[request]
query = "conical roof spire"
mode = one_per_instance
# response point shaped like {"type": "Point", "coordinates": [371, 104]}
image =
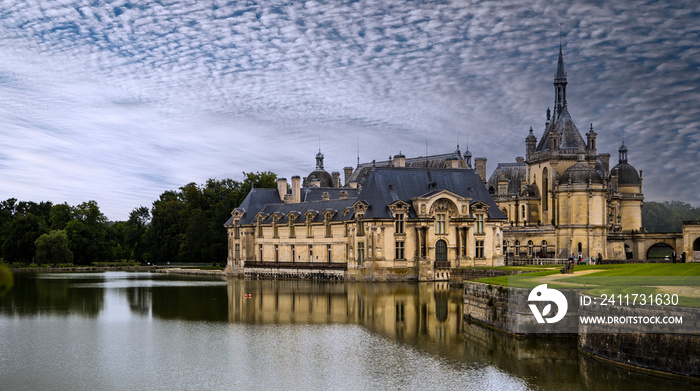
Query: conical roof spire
{"type": "Point", "coordinates": [560, 65]}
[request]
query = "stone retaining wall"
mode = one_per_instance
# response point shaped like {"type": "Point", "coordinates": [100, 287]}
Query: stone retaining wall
{"type": "Point", "coordinates": [671, 355]}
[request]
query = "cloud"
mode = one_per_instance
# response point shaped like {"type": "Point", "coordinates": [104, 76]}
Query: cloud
{"type": "Point", "coordinates": [119, 101]}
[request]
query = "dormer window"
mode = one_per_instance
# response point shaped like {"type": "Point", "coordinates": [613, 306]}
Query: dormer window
{"type": "Point", "coordinates": [441, 223]}
{"type": "Point", "coordinates": [399, 223]}
{"type": "Point", "coordinates": [360, 225]}
{"type": "Point", "coordinates": [479, 223]}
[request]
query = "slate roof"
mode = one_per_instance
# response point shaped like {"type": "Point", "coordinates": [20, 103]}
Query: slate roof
{"type": "Point", "coordinates": [315, 193]}
{"type": "Point", "coordinates": [316, 207]}
{"type": "Point", "coordinates": [433, 161]}
{"type": "Point", "coordinates": [514, 173]}
{"type": "Point", "coordinates": [254, 202]}
{"type": "Point", "coordinates": [569, 136]}
{"type": "Point", "coordinates": [386, 185]}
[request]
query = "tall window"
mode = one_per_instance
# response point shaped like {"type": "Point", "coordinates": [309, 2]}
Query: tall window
{"type": "Point", "coordinates": [311, 253]}
{"type": "Point", "coordinates": [309, 229]}
{"type": "Point", "coordinates": [400, 250]}
{"type": "Point", "coordinates": [329, 253]}
{"type": "Point", "coordinates": [441, 250]}
{"type": "Point", "coordinates": [479, 246]}
{"type": "Point", "coordinates": [260, 228]}
{"type": "Point", "coordinates": [294, 255]}
{"type": "Point", "coordinates": [517, 248]}
{"type": "Point", "coordinates": [237, 231]}
{"type": "Point", "coordinates": [260, 247]}
{"type": "Point", "coordinates": [360, 225]}
{"type": "Point", "coordinates": [530, 247]}
{"type": "Point", "coordinates": [277, 253]}
{"type": "Point", "coordinates": [544, 248]}
{"type": "Point", "coordinates": [440, 227]}
{"type": "Point", "coordinates": [523, 211]}
{"type": "Point", "coordinates": [479, 223]}
{"type": "Point", "coordinates": [502, 188]}
{"type": "Point", "coordinates": [237, 252]}
{"type": "Point", "coordinates": [360, 252]}
{"type": "Point", "coordinates": [292, 229]}
{"type": "Point", "coordinates": [275, 230]}
{"type": "Point", "coordinates": [545, 189]}
{"type": "Point", "coordinates": [327, 223]}
{"type": "Point", "coordinates": [399, 223]}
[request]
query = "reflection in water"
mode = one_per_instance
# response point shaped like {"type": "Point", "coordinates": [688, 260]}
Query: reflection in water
{"type": "Point", "coordinates": [257, 334]}
{"type": "Point", "coordinates": [428, 316]}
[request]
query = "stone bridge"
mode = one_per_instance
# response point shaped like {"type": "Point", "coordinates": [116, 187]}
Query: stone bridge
{"type": "Point", "coordinates": [645, 245]}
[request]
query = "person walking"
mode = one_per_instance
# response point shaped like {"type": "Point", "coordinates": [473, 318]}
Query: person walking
{"type": "Point", "coordinates": [673, 256]}
{"type": "Point", "coordinates": [599, 261]}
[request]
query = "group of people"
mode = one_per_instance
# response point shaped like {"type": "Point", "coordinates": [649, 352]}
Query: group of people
{"type": "Point", "coordinates": [588, 261]}
{"type": "Point", "coordinates": [674, 257]}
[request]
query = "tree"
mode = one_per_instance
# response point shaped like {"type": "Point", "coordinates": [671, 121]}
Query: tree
{"type": "Point", "coordinates": [53, 248]}
{"type": "Point", "coordinates": [667, 216]}
{"type": "Point", "coordinates": [60, 215]}
{"type": "Point", "coordinates": [20, 236]}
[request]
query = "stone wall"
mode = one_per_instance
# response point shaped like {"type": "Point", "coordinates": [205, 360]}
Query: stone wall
{"type": "Point", "coordinates": [675, 354]}
{"type": "Point", "coordinates": [458, 276]}
{"type": "Point", "coordinates": [486, 304]}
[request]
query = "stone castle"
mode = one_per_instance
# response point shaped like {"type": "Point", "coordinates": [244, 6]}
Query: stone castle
{"type": "Point", "coordinates": [419, 218]}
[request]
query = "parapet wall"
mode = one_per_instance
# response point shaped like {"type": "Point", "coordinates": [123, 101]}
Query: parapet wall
{"type": "Point", "coordinates": [670, 355]}
{"type": "Point", "coordinates": [663, 354]}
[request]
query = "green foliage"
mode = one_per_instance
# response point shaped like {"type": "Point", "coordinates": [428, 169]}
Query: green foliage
{"type": "Point", "coordinates": [181, 226]}
{"type": "Point", "coordinates": [52, 248]}
{"type": "Point", "coordinates": [6, 280]}
{"type": "Point", "coordinates": [187, 226]}
{"type": "Point", "coordinates": [19, 235]}
{"type": "Point", "coordinates": [667, 216]}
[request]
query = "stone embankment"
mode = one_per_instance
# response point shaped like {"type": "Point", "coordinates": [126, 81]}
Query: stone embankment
{"type": "Point", "coordinates": [198, 272]}
{"type": "Point", "coordinates": [88, 269]}
{"type": "Point", "coordinates": [669, 355]}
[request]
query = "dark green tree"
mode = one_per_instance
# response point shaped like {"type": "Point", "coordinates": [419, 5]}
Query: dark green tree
{"type": "Point", "coordinates": [60, 215]}
{"type": "Point", "coordinates": [19, 237]}
{"type": "Point", "coordinates": [52, 248]}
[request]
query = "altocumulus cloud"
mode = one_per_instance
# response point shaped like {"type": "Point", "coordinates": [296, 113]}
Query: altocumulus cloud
{"type": "Point", "coordinates": [118, 101]}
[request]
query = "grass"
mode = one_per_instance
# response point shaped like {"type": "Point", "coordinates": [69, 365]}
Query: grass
{"type": "Point", "coordinates": [681, 279]}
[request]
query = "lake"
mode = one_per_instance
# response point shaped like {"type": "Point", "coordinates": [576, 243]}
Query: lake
{"type": "Point", "coordinates": [120, 330]}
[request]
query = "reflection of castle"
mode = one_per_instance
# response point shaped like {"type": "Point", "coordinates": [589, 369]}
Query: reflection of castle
{"type": "Point", "coordinates": [394, 310]}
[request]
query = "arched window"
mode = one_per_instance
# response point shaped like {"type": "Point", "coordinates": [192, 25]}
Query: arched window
{"type": "Point", "coordinates": [441, 250]}
{"type": "Point", "coordinates": [517, 248]}
{"type": "Point", "coordinates": [530, 247]}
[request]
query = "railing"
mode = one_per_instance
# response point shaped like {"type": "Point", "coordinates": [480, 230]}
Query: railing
{"type": "Point", "coordinates": [442, 264]}
{"type": "Point", "coordinates": [298, 265]}
{"type": "Point", "coordinates": [538, 261]}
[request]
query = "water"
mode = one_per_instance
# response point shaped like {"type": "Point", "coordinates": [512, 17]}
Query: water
{"type": "Point", "coordinates": [156, 331]}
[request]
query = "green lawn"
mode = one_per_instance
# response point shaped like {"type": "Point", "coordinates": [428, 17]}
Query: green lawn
{"type": "Point", "coordinates": [682, 279]}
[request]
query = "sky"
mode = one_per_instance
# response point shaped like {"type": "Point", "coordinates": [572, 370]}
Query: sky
{"type": "Point", "coordinates": [119, 101]}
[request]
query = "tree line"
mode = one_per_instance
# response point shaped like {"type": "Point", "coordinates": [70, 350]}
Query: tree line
{"type": "Point", "coordinates": [667, 216]}
{"type": "Point", "coordinates": [184, 226]}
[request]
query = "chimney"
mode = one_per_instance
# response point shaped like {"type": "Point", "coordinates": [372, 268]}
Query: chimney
{"type": "Point", "coordinates": [520, 159]}
{"type": "Point", "coordinates": [605, 159]}
{"type": "Point", "coordinates": [282, 187]}
{"type": "Point", "coordinates": [348, 173]}
{"type": "Point", "coordinates": [480, 164]}
{"type": "Point", "coordinates": [352, 184]}
{"type": "Point", "coordinates": [315, 183]}
{"type": "Point", "coordinates": [453, 162]}
{"type": "Point", "coordinates": [325, 196]}
{"type": "Point", "coordinates": [336, 178]}
{"type": "Point", "coordinates": [399, 160]}
{"type": "Point", "coordinates": [296, 188]}
{"type": "Point", "coordinates": [343, 195]}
